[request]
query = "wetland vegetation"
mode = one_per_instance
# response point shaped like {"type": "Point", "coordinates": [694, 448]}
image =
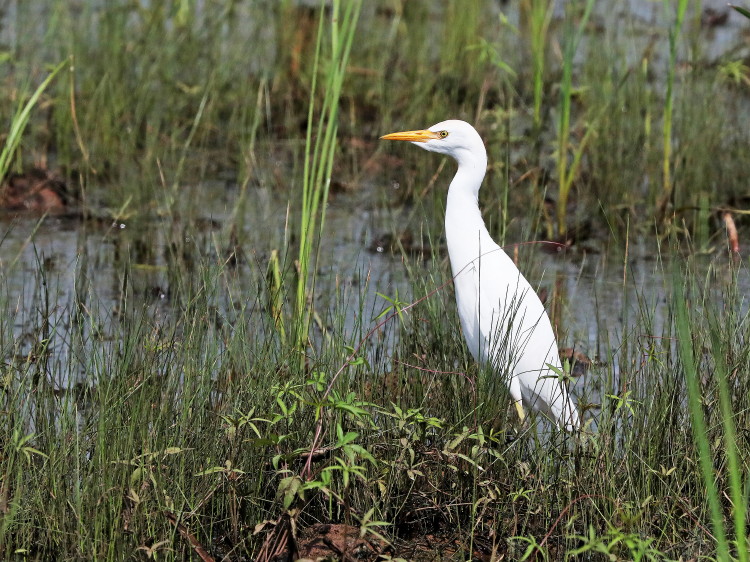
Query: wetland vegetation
{"type": "Point", "coordinates": [233, 335]}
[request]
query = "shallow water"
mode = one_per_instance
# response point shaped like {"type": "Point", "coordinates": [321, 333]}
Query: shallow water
{"type": "Point", "coordinates": [596, 296]}
{"type": "Point", "coordinates": [595, 299]}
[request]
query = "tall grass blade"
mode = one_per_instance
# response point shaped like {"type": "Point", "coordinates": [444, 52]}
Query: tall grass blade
{"type": "Point", "coordinates": [319, 152]}
{"type": "Point", "coordinates": [700, 434]}
{"type": "Point", "coordinates": [736, 485]}
{"type": "Point", "coordinates": [540, 18]}
{"type": "Point", "coordinates": [21, 119]}
{"type": "Point", "coordinates": [674, 34]}
{"type": "Point", "coordinates": [566, 173]}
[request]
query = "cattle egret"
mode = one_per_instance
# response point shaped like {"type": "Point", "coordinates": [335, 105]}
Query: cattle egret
{"type": "Point", "coordinates": [502, 319]}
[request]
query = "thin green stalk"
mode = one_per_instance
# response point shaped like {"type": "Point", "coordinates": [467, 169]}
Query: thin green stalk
{"type": "Point", "coordinates": [21, 119]}
{"type": "Point", "coordinates": [541, 16]}
{"type": "Point", "coordinates": [319, 152]}
{"type": "Point", "coordinates": [730, 439]}
{"type": "Point", "coordinates": [506, 175]}
{"type": "Point", "coordinates": [700, 430]}
{"type": "Point", "coordinates": [187, 144]}
{"type": "Point", "coordinates": [674, 33]}
{"type": "Point", "coordinates": [565, 174]}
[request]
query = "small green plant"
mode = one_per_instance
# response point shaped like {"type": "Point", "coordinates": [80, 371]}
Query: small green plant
{"type": "Point", "coordinates": [395, 305]}
{"type": "Point", "coordinates": [735, 72]}
{"type": "Point", "coordinates": [617, 545]}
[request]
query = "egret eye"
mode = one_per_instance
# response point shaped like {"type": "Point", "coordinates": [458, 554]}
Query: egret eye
{"type": "Point", "coordinates": [443, 134]}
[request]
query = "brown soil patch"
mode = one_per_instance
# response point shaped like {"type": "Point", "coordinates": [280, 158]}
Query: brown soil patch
{"type": "Point", "coordinates": [338, 542]}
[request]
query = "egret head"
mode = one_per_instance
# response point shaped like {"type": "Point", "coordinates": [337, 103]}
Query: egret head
{"type": "Point", "coordinates": [452, 137]}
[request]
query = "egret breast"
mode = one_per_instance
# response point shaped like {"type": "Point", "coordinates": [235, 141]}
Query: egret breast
{"type": "Point", "coordinates": [467, 303]}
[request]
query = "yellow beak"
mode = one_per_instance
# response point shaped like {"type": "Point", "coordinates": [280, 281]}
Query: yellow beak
{"type": "Point", "coordinates": [413, 136]}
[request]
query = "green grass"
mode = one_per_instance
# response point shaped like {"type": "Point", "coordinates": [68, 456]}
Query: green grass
{"type": "Point", "coordinates": [202, 415]}
{"type": "Point", "coordinates": [667, 140]}
{"type": "Point", "coordinates": [320, 149]}
{"type": "Point", "coordinates": [169, 380]}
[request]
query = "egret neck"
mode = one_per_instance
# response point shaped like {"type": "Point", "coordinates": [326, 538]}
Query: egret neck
{"type": "Point", "coordinates": [465, 230]}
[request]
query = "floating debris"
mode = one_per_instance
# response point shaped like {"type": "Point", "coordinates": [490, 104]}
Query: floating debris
{"type": "Point", "coordinates": [732, 236]}
{"type": "Point", "coordinates": [395, 243]}
{"type": "Point", "coordinates": [37, 190]}
{"type": "Point", "coordinates": [712, 17]}
{"type": "Point", "coordinates": [579, 362]}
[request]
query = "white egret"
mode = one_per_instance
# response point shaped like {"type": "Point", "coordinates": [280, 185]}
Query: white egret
{"type": "Point", "coordinates": [503, 320]}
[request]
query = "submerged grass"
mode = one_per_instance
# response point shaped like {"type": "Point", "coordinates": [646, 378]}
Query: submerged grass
{"type": "Point", "coordinates": [159, 407]}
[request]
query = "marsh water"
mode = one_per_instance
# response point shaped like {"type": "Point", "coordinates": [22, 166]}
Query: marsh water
{"type": "Point", "coordinates": [595, 291]}
{"type": "Point", "coordinates": [596, 298]}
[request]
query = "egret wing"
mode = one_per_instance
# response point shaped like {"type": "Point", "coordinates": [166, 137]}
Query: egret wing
{"type": "Point", "coordinates": [517, 335]}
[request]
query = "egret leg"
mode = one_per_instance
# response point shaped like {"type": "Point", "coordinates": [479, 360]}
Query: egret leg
{"type": "Point", "coordinates": [515, 394]}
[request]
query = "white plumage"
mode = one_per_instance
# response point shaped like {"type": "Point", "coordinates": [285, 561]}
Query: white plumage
{"type": "Point", "coordinates": [503, 320]}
